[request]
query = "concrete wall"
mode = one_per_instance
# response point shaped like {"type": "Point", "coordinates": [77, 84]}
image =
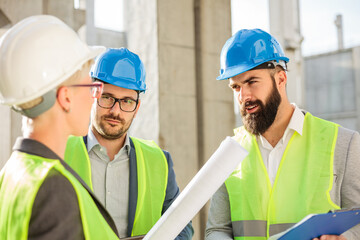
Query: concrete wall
{"type": "Point", "coordinates": [356, 69]}
{"type": "Point", "coordinates": [333, 86]}
{"type": "Point", "coordinates": [216, 117]}
{"type": "Point", "coordinates": [5, 133]}
{"type": "Point", "coordinates": [285, 26]}
{"type": "Point", "coordinates": [141, 29]}
{"type": "Point", "coordinates": [185, 109]}
{"type": "Point", "coordinates": [64, 10]}
{"type": "Point", "coordinates": [16, 10]}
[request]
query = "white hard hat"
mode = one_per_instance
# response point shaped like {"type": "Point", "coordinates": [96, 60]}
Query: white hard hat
{"type": "Point", "coordinates": [37, 55]}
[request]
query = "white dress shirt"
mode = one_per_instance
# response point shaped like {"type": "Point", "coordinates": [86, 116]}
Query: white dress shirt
{"type": "Point", "coordinates": [110, 180]}
{"type": "Point", "coordinates": [273, 155]}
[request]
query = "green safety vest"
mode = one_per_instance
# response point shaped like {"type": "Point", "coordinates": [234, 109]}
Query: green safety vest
{"type": "Point", "coordinates": [301, 187]}
{"type": "Point", "coordinates": [152, 173]}
{"type": "Point", "coordinates": [20, 180]}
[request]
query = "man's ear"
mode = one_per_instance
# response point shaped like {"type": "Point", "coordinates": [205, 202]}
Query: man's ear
{"type": "Point", "coordinates": [63, 98]}
{"type": "Point", "coordinates": [137, 108]}
{"type": "Point", "coordinates": [282, 79]}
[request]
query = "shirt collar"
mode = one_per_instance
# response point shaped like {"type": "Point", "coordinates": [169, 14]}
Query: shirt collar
{"type": "Point", "coordinates": [297, 120]}
{"type": "Point", "coordinates": [92, 142]}
{"type": "Point", "coordinates": [296, 123]}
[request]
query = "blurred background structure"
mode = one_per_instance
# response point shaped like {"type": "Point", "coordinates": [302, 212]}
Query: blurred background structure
{"type": "Point", "coordinates": [185, 110]}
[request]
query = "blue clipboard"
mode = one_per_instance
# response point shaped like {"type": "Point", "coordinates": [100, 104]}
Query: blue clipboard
{"type": "Point", "coordinates": [315, 225]}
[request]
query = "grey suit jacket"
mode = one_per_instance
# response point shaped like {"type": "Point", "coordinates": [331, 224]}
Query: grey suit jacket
{"type": "Point", "coordinates": [345, 191]}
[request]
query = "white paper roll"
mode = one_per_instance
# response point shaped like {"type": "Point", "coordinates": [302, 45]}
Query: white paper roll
{"type": "Point", "coordinates": [200, 189]}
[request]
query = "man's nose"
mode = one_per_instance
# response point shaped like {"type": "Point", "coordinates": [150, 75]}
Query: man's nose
{"type": "Point", "coordinates": [244, 95]}
{"type": "Point", "coordinates": [116, 108]}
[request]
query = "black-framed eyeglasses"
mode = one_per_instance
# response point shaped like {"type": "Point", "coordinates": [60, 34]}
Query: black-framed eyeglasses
{"type": "Point", "coordinates": [95, 88]}
{"type": "Point", "coordinates": [126, 104]}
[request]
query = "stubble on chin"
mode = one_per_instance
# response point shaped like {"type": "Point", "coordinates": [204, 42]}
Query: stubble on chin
{"type": "Point", "coordinates": [112, 131]}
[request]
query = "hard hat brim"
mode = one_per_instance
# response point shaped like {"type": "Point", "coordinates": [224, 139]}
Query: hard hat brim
{"type": "Point", "coordinates": [236, 70]}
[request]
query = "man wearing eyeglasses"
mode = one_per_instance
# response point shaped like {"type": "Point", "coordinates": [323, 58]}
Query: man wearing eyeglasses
{"type": "Point", "coordinates": [44, 76]}
{"type": "Point", "coordinates": [132, 177]}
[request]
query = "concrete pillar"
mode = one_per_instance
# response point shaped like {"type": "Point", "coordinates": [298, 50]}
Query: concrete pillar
{"type": "Point", "coordinates": [5, 133]}
{"type": "Point", "coordinates": [65, 10]}
{"type": "Point", "coordinates": [141, 29]}
{"type": "Point", "coordinates": [184, 109]}
{"type": "Point", "coordinates": [4, 20]}
{"type": "Point", "coordinates": [285, 26]}
{"type": "Point", "coordinates": [16, 10]}
{"type": "Point", "coordinates": [164, 39]}
{"type": "Point", "coordinates": [356, 69]}
{"type": "Point", "coordinates": [215, 106]}
{"type": "Point", "coordinates": [339, 29]}
{"type": "Point", "coordinates": [215, 98]}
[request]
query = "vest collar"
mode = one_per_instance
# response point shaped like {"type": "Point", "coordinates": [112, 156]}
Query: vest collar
{"type": "Point", "coordinates": [34, 147]}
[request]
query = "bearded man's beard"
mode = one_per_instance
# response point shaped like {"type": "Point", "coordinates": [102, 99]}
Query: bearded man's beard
{"type": "Point", "coordinates": [257, 123]}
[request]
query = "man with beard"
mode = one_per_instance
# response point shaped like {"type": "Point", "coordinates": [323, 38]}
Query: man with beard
{"type": "Point", "coordinates": [132, 177]}
{"type": "Point", "coordinates": [297, 164]}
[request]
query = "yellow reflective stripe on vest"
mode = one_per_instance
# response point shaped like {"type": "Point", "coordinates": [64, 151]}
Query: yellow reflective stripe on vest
{"type": "Point", "coordinates": [152, 171]}
{"type": "Point", "coordinates": [249, 228]}
{"type": "Point", "coordinates": [280, 227]}
{"type": "Point", "coordinates": [77, 157]}
{"type": "Point", "coordinates": [20, 181]}
{"type": "Point", "coordinates": [305, 171]}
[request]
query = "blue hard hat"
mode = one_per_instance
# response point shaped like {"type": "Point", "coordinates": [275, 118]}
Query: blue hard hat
{"type": "Point", "coordinates": [120, 67]}
{"type": "Point", "coordinates": [247, 49]}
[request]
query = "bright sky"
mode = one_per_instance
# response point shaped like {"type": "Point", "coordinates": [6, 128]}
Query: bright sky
{"type": "Point", "coordinates": [316, 18]}
{"type": "Point", "coordinates": [109, 14]}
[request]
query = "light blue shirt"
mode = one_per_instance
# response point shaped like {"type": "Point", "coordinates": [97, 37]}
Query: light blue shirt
{"type": "Point", "coordinates": [111, 180]}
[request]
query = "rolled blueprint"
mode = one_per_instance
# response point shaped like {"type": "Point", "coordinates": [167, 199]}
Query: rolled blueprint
{"type": "Point", "coordinates": [200, 189]}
